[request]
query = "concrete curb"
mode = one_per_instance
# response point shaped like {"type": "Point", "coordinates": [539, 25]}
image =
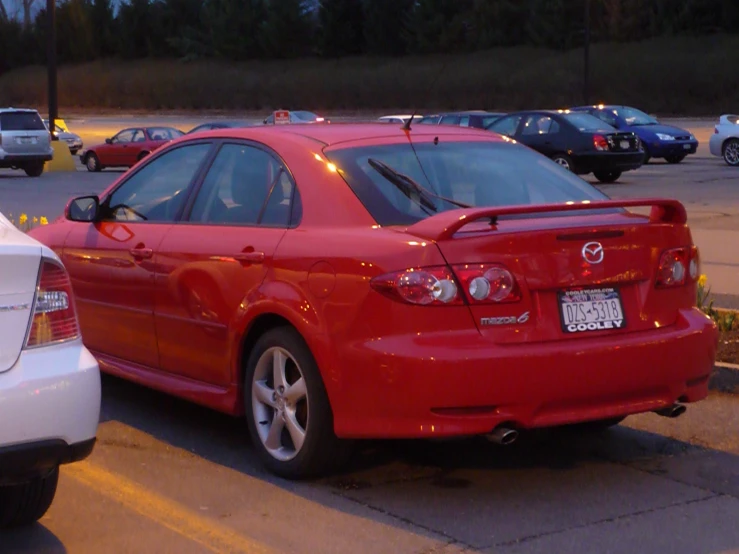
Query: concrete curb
{"type": "Point", "coordinates": [725, 378]}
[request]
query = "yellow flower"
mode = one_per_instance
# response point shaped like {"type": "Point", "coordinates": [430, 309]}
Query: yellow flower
{"type": "Point", "coordinates": [23, 219]}
{"type": "Point", "coordinates": [35, 219]}
{"type": "Point", "coordinates": [43, 220]}
{"type": "Point", "coordinates": [702, 280]}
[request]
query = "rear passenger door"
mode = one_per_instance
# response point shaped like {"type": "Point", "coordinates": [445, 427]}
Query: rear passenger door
{"type": "Point", "coordinates": [542, 133]}
{"type": "Point", "coordinates": [214, 260]}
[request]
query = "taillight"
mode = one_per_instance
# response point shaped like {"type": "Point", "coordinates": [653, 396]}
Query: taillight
{"type": "Point", "coordinates": [54, 316]}
{"type": "Point", "coordinates": [600, 142]}
{"type": "Point", "coordinates": [678, 266]}
{"type": "Point", "coordinates": [488, 283]}
{"type": "Point", "coordinates": [715, 130]}
{"type": "Point", "coordinates": [428, 286]}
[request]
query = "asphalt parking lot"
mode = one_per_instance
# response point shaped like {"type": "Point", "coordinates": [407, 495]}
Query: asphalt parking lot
{"type": "Point", "coordinates": [171, 477]}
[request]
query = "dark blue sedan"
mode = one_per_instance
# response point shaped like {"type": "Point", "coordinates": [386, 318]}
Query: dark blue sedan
{"type": "Point", "coordinates": [658, 140]}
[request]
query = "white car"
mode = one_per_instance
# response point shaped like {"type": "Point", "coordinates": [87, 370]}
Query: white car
{"type": "Point", "coordinates": [724, 141]}
{"type": "Point", "coordinates": [402, 118]}
{"type": "Point", "coordinates": [49, 382]}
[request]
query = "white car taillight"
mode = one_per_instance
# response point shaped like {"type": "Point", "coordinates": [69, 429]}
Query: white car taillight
{"type": "Point", "coordinates": [54, 318]}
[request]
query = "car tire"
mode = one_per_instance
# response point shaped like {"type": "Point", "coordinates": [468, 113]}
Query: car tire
{"type": "Point", "coordinates": [24, 504]}
{"type": "Point", "coordinates": [34, 169]}
{"type": "Point", "coordinates": [142, 156]}
{"type": "Point", "coordinates": [92, 162]}
{"type": "Point", "coordinates": [607, 176]}
{"type": "Point", "coordinates": [283, 352]}
{"type": "Point", "coordinates": [676, 159]}
{"type": "Point", "coordinates": [564, 160]}
{"type": "Point", "coordinates": [647, 156]}
{"type": "Point", "coordinates": [730, 152]}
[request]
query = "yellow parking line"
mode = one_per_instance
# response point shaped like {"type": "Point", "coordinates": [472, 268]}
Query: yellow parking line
{"type": "Point", "coordinates": [206, 532]}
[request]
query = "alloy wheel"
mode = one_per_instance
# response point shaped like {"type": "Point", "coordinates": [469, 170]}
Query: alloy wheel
{"type": "Point", "coordinates": [280, 403]}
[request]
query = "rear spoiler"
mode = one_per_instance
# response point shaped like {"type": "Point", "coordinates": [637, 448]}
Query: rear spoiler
{"type": "Point", "coordinates": [443, 226]}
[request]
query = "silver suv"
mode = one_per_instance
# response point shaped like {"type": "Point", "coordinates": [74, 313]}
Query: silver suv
{"type": "Point", "coordinates": [25, 142]}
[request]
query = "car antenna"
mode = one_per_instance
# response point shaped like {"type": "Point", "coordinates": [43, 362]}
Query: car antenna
{"type": "Point", "coordinates": [407, 124]}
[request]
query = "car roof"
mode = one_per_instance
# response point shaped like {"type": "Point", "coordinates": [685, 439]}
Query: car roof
{"type": "Point", "coordinates": [335, 133]}
{"type": "Point", "coordinates": [27, 110]}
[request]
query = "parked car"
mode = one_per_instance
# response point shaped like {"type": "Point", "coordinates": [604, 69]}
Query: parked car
{"type": "Point", "coordinates": [479, 119]}
{"type": "Point", "coordinates": [218, 124]}
{"type": "Point", "coordinates": [658, 140]}
{"type": "Point", "coordinates": [128, 147]}
{"type": "Point", "coordinates": [297, 116]}
{"type": "Point", "coordinates": [49, 381]}
{"type": "Point", "coordinates": [400, 119]}
{"type": "Point", "coordinates": [724, 141]}
{"type": "Point", "coordinates": [25, 142]}
{"type": "Point", "coordinates": [577, 141]}
{"type": "Point", "coordinates": [62, 133]}
{"type": "Point", "coordinates": [332, 288]}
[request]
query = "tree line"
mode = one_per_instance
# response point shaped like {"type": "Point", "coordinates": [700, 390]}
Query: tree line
{"type": "Point", "coordinates": [285, 29]}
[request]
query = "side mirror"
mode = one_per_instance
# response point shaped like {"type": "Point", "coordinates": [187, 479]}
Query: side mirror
{"type": "Point", "coordinates": [108, 141]}
{"type": "Point", "coordinates": [82, 208]}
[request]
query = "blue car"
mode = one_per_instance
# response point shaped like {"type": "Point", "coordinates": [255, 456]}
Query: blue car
{"type": "Point", "coordinates": [658, 140]}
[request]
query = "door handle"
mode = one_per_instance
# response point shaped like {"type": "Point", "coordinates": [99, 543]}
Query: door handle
{"type": "Point", "coordinates": [141, 253]}
{"type": "Point", "coordinates": [250, 257]}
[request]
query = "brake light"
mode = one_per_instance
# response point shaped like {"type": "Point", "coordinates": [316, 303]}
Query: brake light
{"type": "Point", "coordinates": [600, 142]}
{"type": "Point", "coordinates": [428, 286]}
{"type": "Point", "coordinates": [715, 130]}
{"type": "Point", "coordinates": [678, 266]}
{"type": "Point", "coordinates": [488, 283]}
{"type": "Point", "coordinates": [54, 316]}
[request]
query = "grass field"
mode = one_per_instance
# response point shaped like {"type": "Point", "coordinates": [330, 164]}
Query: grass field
{"type": "Point", "coordinates": [686, 76]}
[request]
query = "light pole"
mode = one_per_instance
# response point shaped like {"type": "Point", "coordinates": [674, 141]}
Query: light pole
{"type": "Point", "coordinates": [586, 53]}
{"type": "Point", "coordinates": [51, 66]}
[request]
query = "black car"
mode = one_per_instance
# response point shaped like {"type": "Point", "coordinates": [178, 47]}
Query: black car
{"type": "Point", "coordinates": [577, 141]}
{"type": "Point", "coordinates": [220, 124]}
{"type": "Point", "coordinates": [476, 118]}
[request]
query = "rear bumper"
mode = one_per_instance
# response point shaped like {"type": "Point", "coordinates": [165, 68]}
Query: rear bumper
{"type": "Point", "coordinates": [22, 462]}
{"type": "Point", "coordinates": [51, 396]}
{"type": "Point", "coordinates": [454, 385]}
{"type": "Point", "coordinates": [9, 160]}
{"type": "Point", "coordinates": [661, 149]}
{"type": "Point", "coordinates": [608, 161]}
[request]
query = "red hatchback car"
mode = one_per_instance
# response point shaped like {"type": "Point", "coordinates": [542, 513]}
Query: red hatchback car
{"type": "Point", "coordinates": [127, 147]}
{"type": "Point", "coordinates": [363, 281]}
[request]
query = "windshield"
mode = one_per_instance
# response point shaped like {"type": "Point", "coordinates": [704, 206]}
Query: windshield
{"type": "Point", "coordinates": [634, 116]}
{"type": "Point", "coordinates": [479, 174]}
{"type": "Point", "coordinates": [588, 123]}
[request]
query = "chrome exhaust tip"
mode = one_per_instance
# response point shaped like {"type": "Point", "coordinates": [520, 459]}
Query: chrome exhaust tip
{"type": "Point", "coordinates": [502, 435]}
{"type": "Point", "coordinates": [676, 410]}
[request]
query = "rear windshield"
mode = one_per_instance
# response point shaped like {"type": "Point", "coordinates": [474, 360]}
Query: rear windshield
{"type": "Point", "coordinates": [21, 121]}
{"type": "Point", "coordinates": [588, 123]}
{"type": "Point", "coordinates": [478, 174]}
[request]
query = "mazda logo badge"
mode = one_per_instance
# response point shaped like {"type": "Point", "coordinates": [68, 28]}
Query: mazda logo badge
{"type": "Point", "coordinates": [593, 253]}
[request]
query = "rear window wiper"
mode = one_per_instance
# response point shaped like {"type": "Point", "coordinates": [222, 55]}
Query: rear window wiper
{"type": "Point", "coordinates": [407, 185]}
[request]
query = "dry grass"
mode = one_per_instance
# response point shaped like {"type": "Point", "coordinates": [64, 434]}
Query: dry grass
{"type": "Point", "coordinates": [687, 76]}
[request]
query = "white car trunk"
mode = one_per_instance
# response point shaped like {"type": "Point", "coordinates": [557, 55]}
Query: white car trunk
{"type": "Point", "coordinates": [20, 257]}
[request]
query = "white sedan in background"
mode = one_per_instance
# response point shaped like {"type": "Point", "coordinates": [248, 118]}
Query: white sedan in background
{"type": "Point", "coordinates": [724, 141]}
{"type": "Point", "coordinates": [49, 382]}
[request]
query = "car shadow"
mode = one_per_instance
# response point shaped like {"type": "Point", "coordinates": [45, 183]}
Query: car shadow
{"type": "Point", "coordinates": [35, 539]}
{"type": "Point", "coordinates": [425, 483]}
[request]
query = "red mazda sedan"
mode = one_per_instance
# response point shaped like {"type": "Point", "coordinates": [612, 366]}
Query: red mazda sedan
{"type": "Point", "coordinates": [364, 281]}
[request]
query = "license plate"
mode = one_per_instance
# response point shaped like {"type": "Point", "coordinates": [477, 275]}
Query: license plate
{"type": "Point", "coordinates": [26, 140]}
{"type": "Point", "coordinates": [625, 145]}
{"type": "Point", "coordinates": [587, 310]}
{"type": "Point", "coordinates": [686, 146]}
